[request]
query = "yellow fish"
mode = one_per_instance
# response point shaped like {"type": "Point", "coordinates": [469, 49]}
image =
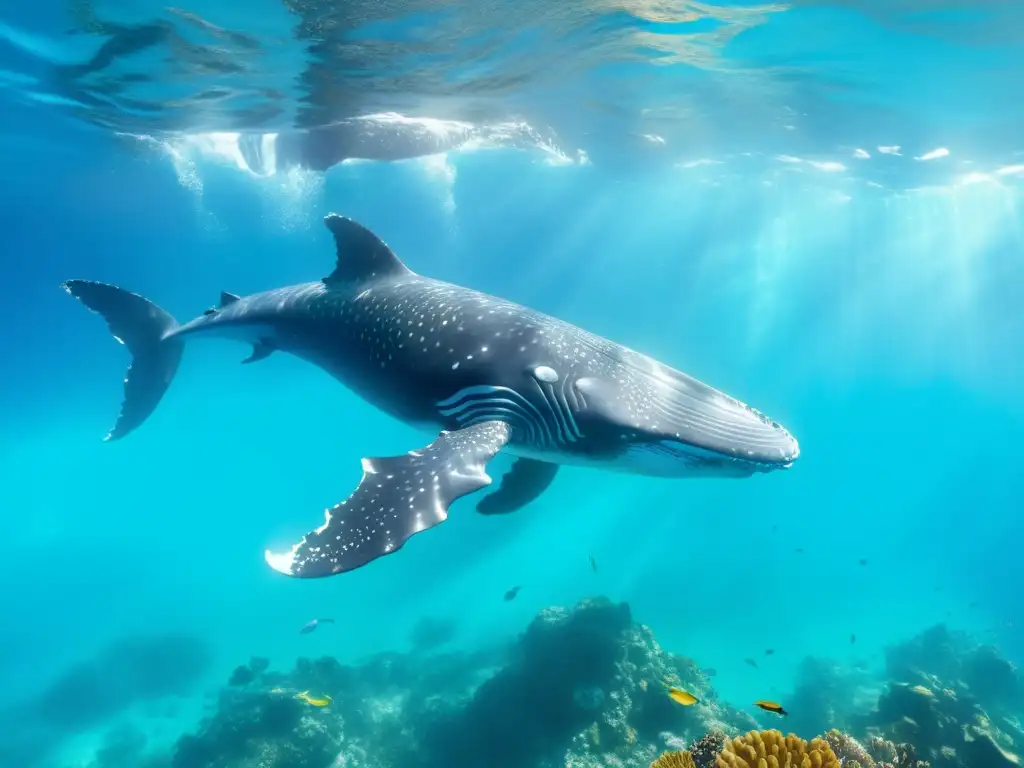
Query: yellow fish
{"type": "Point", "coordinates": [680, 696]}
{"type": "Point", "coordinates": [314, 701]}
{"type": "Point", "coordinates": [771, 706]}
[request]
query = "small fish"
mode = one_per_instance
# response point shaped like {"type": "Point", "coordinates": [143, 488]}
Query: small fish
{"type": "Point", "coordinates": [278, 690]}
{"type": "Point", "coordinates": [313, 625]}
{"type": "Point", "coordinates": [321, 701]}
{"type": "Point", "coordinates": [800, 550]}
{"type": "Point", "coordinates": [593, 562]}
{"type": "Point", "coordinates": [921, 690]}
{"type": "Point", "coordinates": [751, 662]}
{"type": "Point", "coordinates": [973, 605]}
{"type": "Point", "coordinates": [775, 528]}
{"type": "Point", "coordinates": [771, 706]}
{"type": "Point", "coordinates": [863, 561]}
{"type": "Point", "coordinates": [643, 685]}
{"type": "Point", "coordinates": [710, 672]}
{"type": "Point", "coordinates": [769, 651]}
{"type": "Point", "coordinates": [853, 639]}
{"type": "Point", "coordinates": [680, 696]}
{"type": "Point", "coordinates": [511, 594]}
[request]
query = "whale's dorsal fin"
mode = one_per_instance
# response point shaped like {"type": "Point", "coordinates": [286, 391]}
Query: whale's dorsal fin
{"type": "Point", "coordinates": [228, 298]}
{"type": "Point", "coordinates": [361, 254]}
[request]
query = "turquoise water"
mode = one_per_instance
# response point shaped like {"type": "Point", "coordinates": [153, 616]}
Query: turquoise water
{"type": "Point", "coordinates": [759, 200]}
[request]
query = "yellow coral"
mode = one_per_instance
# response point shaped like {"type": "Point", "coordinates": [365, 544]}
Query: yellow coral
{"type": "Point", "coordinates": [630, 735]}
{"type": "Point", "coordinates": [770, 749]}
{"type": "Point", "coordinates": [678, 759]}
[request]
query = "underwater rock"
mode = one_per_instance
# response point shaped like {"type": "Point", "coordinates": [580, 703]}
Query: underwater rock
{"type": "Point", "coordinates": [992, 680]}
{"type": "Point", "coordinates": [937, 650]}
{"type": "Point", "coordinates": [946, 694]}
{"type": "Point", "coordinates": [530, 705]}
{"type": "Point", "coordinates": [379, 712]}
{"type": "Point", "coordinates": [826, 696]}
{"type": "Point", "coordinates": [944, 724]}
{"type": "Point", "coordinates": [125, 746]}
{"type": "Point", "coordinates": [983, 746]}
{"type": "Point", "coordinates": [130, 670]}
{"type": "Point", "coordinates": [848, 750]}
{"type": "Point", "coordinates": [261, 730]}
{"type": "Point", "coordinates": [247, 673]}
{"type": "Point", "coordinates": [241, 676]}
{"type": "Point", "coordinates": [886, 754]}
{"type": "Point", "coordinates": [584, 687]}
{"type": "Point", "coordinates": [432, 632]}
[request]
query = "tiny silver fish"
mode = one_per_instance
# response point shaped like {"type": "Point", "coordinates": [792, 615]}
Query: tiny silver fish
{"type": "Point", "coordinates": [313, 625]}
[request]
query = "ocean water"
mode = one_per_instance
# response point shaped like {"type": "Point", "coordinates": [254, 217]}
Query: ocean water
{"type": "Point", "coordinates": [813, 206]}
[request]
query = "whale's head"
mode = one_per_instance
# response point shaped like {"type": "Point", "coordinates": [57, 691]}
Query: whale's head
{"type": "Point", "coordinates": [665, 423]}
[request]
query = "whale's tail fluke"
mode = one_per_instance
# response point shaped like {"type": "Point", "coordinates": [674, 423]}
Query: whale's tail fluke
{"type": "Point", "coordinates": [145, 329]}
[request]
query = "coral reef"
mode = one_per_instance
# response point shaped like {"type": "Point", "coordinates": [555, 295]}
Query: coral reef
{"type": "Point", "coordinates": [582, 687]}
{"type": "Point", "coordinates": [586, 684]}
{"type": "Point", "coordinates": [705, 750]}
{"type": "Point", "coordinates": [849, 751]}
{"type": "Point", "coordinates": [770, 749]}
{"type": "Point", "coordinates": [951, 702]}
{"type": "Point", "coordinates": [262, 730]}
{"type": "Point", "coordinates": [878, 754]}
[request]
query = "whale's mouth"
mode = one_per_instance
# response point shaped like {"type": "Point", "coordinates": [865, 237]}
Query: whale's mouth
{"type": "Point", "coordinates": [711, 455]}
{"type": "Point", "coordinates": [703, 425]}
{"type": "Point", "coordinates": [719, 426]}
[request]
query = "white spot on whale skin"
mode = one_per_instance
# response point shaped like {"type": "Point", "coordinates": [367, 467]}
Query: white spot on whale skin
{"type": "Point", "coordinates": [282, 562]}
{"type": "Point", "coordinates": [545, 374]}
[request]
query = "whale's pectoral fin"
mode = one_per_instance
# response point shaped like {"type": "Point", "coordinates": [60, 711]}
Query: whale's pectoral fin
{"type": "Point", "coordinates": [398, 497]}
{"type": "Point", "coordinates": [260, 350]}
{"type": "Point", "coordinates": [521, 485]}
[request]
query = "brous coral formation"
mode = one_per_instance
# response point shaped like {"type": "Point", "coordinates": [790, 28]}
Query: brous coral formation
{"type": "Point", "coordinates": [770, 749]}
{"type": "Point", "coordinates": [680, 758]}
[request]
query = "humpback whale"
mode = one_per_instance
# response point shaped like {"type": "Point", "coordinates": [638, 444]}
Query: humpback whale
{"type": "Point", "coordinates": [485, 374]}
